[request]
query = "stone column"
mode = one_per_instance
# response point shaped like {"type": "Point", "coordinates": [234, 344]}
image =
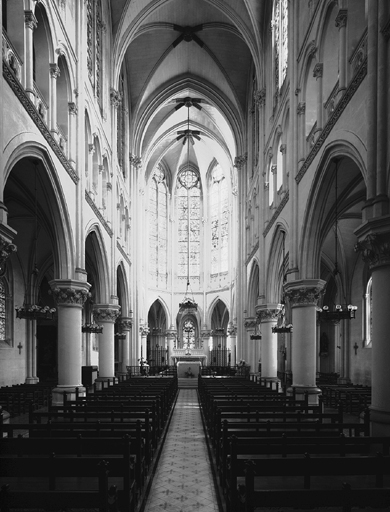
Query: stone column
{"type": "Point", "coordinates": [72, 120]}
{"type": "Point", "coordinates": [252, 352]}
{"type": "Point", "coordinates": [231, 343]}
{"type": "Point", "coordinates": [125, 325]}
{"type": "Point", "coordinates": [317, 73]}
{"type": "Point", "coordinates": [30, 23]}
{"type": "Point", "coordinates": [70, 296]}
{"type": "Point", "coordinates": [375, 249]}
{"type": "Point", "coordinates": [106, 315]}
{"type": "Point", "coordinates": [54, 74]}
{"type": "Point", "coordinates": [301, 109]}
{"type": "Point", "coordinates": [283, 150]}
{"type": "Point", "coordinates": [144, 331]}
{"type": "Point", "coordinates": [268, 316]}
{"type": "Point", "coordinates": [303, 296]}
{"type": "Point", "coordinates": [275, 185]}
{"type": "Point", "coordinates": [341, 24]}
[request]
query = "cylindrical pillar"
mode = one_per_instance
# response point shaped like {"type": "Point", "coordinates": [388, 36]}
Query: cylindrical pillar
{"type": "Point", "coordinates": [231, 343]}
{"type": "Point", "coordinates": [268, 315]}
{"type": "Point", "coordinates": [70, 296]}
{"type": "Point", "coordinates": [144, 331]}
{"type": "Point", "coordinates": [106, 315]}
{"type": "Point", "coordinates": [303, 296]}
{"type": "Point", "coordinates": [125, 324]}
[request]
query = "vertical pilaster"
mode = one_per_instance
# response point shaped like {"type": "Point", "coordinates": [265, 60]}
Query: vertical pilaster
{"type": "Point", "coordinates": [303, 296]}
{"type": "Point", "coordinates": [317, 73]}
{"type": "Point", "coordinates": [341, 24]}
{"type": "Point", "coordinates": [72, 121]}
{"type": "Point", "coordinates": [54, 74]}
{"type": "Point", "coordinates": [106, 315]}
{"type": "Point", "coordinates": [70, 297]}
{"type": "Point", "coordinates": [30, 24]}
{"type": "Point", "coordinates": [231, 343]}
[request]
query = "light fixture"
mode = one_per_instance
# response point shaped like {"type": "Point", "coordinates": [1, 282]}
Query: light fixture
{"type": "Point", "coordinates": [257, 334]}
{"type": "Point", "coordinates": [92, 328]}
{"type": "Point", "coordinates": [281, 326]}
{"type": "Point", "coordinates": [34, 311]}
{"type": "Point", "coordinates": [339, 311]}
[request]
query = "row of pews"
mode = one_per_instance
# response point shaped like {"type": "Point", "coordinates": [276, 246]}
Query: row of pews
{"type": "Point", "coordinates": [17, 399]}
{"type": "Point", "coordinates": [94, 452]}
{"type": "Point", "coordinates": [272, 450]}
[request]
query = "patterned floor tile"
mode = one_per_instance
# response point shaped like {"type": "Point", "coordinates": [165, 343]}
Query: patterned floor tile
{"type": "Point", "coordinates": [183, 481]}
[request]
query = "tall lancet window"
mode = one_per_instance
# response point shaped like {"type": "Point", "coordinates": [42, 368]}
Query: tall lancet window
{"type": "Point", "coordinates": [219, 213]}
{"type": "Point", "coordinates": [280, 41]}
{"type": "Point", "coordinates": [95, 46]}
{"type": "Point", "coordinates": [189, 210]}
{"type": "Point", "coordinates": [158, 222]}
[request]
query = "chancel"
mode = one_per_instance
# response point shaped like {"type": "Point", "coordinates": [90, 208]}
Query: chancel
{"type": "Point", "coordinates": [194, 243]}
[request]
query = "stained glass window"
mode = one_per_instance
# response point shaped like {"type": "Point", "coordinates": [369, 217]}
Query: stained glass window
{"type": "Point", "coordinates": [158, 229]}
{"type": "Point", "coordinates": [219, 210]}
{"type": "Point", "coordinates": [189, 211]}
{"type": "Point", "coordinates": [280, 41]}
{"type": "Point", "coordinates": [189, 334]}
{"type": "Point", "coordinates": [2, 310]}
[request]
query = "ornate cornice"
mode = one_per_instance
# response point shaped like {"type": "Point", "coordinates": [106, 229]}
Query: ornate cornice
{"type": "Point", "coordinates": [29, 106]}
{"type": "Point", "coordinates": [375, 249]}
{"type": "Point", "coordinates": [91, 203]}
{"type": "Point", "coordinates": [106, 313]}
{"type": "Point", "coordinates": [341, 105]}
{"type": "Point", "coordinates": [282, 204]}
{"type": "Point", "coordinates": [70, 294]}
{"type": "Point", "coordinates": [304, 293]}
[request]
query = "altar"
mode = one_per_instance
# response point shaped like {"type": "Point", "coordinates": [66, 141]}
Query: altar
{"type": "Point", "coordinates": [189, 357]}
{"type": "Point", "coordinates": [189, 369]}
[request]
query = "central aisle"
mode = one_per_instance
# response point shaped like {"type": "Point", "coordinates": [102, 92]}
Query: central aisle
{"type": "Point", "coordinates": [183, 481]}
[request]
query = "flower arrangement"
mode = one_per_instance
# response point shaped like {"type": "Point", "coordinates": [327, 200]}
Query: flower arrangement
{"type": "Point", "coordinates": [35, 311]}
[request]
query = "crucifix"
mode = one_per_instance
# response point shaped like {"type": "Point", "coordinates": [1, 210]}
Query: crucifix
{"type": "Point", "coordinates": [20, 346]}
{"type": "Point", "coordinates": [356, 346]}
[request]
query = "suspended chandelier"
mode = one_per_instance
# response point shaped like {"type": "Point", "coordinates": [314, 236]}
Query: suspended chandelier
{"type": "Point", "coordinates": [34, 311]}
{"type": "Point", "coordinates": [338, 311]}
{"type": "Point", "coordinates": [281, 326]}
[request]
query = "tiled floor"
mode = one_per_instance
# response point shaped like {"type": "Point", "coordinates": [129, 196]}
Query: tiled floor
{"type": "Point", "coordinates": [183, 481]}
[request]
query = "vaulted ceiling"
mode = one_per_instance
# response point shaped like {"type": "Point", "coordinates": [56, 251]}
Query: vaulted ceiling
{"type": "Point", "coordinates": [176, 51]}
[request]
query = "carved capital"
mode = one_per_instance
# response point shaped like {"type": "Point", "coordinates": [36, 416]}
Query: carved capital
{"type": "Point", "coordinates": [267, 314]}
{"type": "Point", "coordinates": [240, 161]}
{"type": "Point", "coordinates": [259, 97]}
{"type": "Point", "coordinates": [171, 334]}
{"type": "Point", "coordinates": [283, 148]}
{"type": "Point", "coordinates": [144, 330]}
{"type": "Point", "coordinates": [232, 329]}
{"type": "Point", "coordinates": [301, 108]}
{"type": "Point", "coordinates": [54, 70]}
{"type": "Point", "coordinates": [375, 249]}
{"type": "Point", "coordinates": [106, 313]}
{"type": "Point", "coordinates": [70, 293]}
{"type": "Point", "coordinates": [125, 323]}
{"type": "Point", "coordinates": [250, 323]}
{"type": "Point", "coordinates": [115, 98]}
{"type": "Point", "coordinates": [30, 20]}
{"type": "Point", "coordinates": [91, 149]}
{"type": "Point", "coordinates": [318, 70]}
{"type": "Point", "coordinates": [273, 169]}
{"type": "Point", "coordinates": [135, 160]}
{"type": "Point", "coordinates": [72, 108]}
{"type": "Point", "coordinates": [6, 249]}
{"type": "Point", "coordinates": [305, 292]}
{"type": "Point", "coordinates": [341, 18]}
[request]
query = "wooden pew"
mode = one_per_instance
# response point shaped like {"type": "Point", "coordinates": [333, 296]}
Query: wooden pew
{"type": "Point", "coordinates": [303, 469]}
{"type": "Point", "coordinates": [54, 473]}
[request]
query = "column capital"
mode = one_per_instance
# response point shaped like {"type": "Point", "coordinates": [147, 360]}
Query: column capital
{"type": "Point", "coordinates": [72, 108]}
{"type": "Point", "coordinates": [171, 333]}
{"type": "Point", "coordinates": [259, 97]}
{"type": "Point", "coordinates": [125, 323]}
{"type": "Point", "coordinates": [144, 329]}
{"type": "Point", "coordinates": [135, 160]}
{"type": "Point", "coordinates": [106, 312]}
{"type": "Point", "coordinates": [250, 323]}
{"type": "Point", "coordinates": [115, 97]}
{"type": "Point", "coordinates": [304, 292]}
{"type": "Point", "coordinates": [30, 20]}
{"type": "Point", "coordinates": [267, 312]}
{"type": "Point", "coordinates": [6, 249]}
{"type": "Point", "coordinates": [240, 161]}
{"type": "Point", "coordinates": [232, 329]}
{"type": "Point", "coordinates": [318, 70]}
{"type": "Point", "coordinates": [54, 70]}
{"type": "Point", "coordinates": [283, 148]}
{"type": "Point", "coordinates": [375, 249]}
{"type": "Point", "coordinates": [69, 292]}
{"type": "Point", "coordinates": [341, 18]}
{"type": "Point", "coordinates": [301, 108]}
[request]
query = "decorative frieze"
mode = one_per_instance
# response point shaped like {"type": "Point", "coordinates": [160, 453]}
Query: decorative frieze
{"type": "Point", "coordinates": [375, 249]}
{"type": "Point", "coordinates": [106, 313]}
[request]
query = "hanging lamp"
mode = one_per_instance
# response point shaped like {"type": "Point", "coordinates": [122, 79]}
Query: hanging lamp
{"type": "Point", "coordinates": [338, 311]}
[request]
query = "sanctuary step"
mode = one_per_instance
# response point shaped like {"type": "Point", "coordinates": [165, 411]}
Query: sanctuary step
{"type": "Point", "coordinates": [187, 382]}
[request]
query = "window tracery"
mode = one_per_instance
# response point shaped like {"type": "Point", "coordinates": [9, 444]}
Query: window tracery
{"type": "Point", "coordinates": [280, 42]}
{"type": "Point", "coordinates": [158, 224]}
